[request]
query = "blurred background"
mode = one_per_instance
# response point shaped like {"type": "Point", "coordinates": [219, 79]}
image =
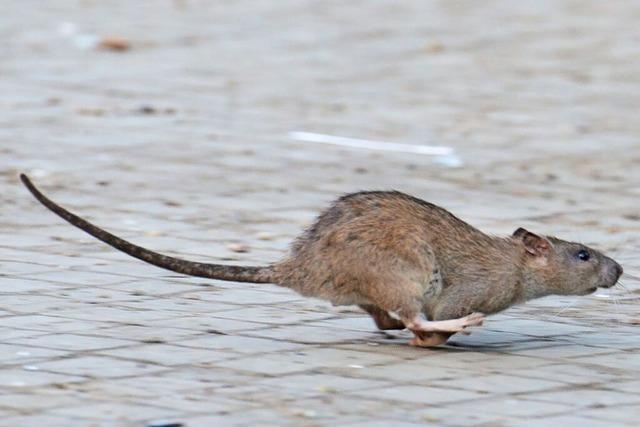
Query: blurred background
{"type": "Point", "coordinates": [218, 129]}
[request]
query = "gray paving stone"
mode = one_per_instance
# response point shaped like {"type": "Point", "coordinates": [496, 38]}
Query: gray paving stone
{"type": "Point", "coordinates": [509, 408]}
{"type": "Point", "coordinates": [565, 420]}
{"type": "Point", "coordinates": [21, 285]}
{"type": "Point", "coordinates": [449, 416]}
{"type": "Point", "coordinates": [498, 383]}
{"type": "Point", "coordinates": [310, 335]}
{"type": "Point", "coordinates": [70, 342]}
{"type": "Point", "coordinates": [273, 364]}
{"type": "Point", "coordinates": [99, 367]}
{"type": "Point", "coordinates": [244, 418]}
{"type": "Point", "coordinates": [565, 351]}
{"type": "Point", "coordinates": [416, 372]}
{"type": "Point", "coordinates": [18, 378]}
{"type": "Point", "coordinates": [12, 333]}
{"type": "Point", "coordinates": [148, 333]}
{"type": "Point", "coordinates": [624, 361]}
{"type": "Point", "coordinates": [571, 373]}
{"type": "Point", "coordinates": [115, 413]}
{"type": "Point", "coordinates": [16, 354]}
{"type": "Point", "coordinates": [238, 344]}
{"type": "Point", "coordinates": [623, 414]}
{"type": "Point", "coordinates": [539, 100]}
{"type": "Point", "coordinates": [52, 420]}
{"type": "Point", "coordinates": [204, 323]}
{"type": "Point", "coordinates": [113, 314]}
{"type": "Point", "coordinates": [422, 395]}
{"type": "Point", "coordinates": [587, 397]}
{"type": "Point", "coordinates": [271, 315]}
{"type": "Point", "coordinates": [323, 383]}
{"type": "Point", "coordinates": [383, 422]}
{"type": "Point", "coordinates": [26, 402]}
{"type": "Point", "coordinates": [168, 355]}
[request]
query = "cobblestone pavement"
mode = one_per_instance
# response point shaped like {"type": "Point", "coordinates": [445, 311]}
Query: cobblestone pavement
{"type": "Point", "coordinates": [182, 144]}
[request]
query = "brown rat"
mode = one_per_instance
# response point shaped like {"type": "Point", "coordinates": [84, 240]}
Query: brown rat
{"type": "Point", "coordinates": [399, 257]}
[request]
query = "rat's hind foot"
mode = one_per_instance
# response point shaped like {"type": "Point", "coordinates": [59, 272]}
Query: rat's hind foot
{"type": "Point", "coordinates": [382, 319]}
{"type": "Point", "coordinates": [453, 325]}
{"type": "Point", "coordinates": [429, 339]}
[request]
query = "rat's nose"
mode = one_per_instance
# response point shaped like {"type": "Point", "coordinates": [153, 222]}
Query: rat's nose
{"type": "Point", "coordinates": [618, 269]}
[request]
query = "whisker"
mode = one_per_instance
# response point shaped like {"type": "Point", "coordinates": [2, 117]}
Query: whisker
{"type": "Point", "coordinates": [624, 288]}
{"type": "Point", "coordinates": [563, 309]}
{"type": "Point", "coordinates": [616, 301]}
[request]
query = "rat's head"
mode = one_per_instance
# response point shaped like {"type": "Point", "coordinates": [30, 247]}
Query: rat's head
{"type": "Point", "coordinates": [554, 266]}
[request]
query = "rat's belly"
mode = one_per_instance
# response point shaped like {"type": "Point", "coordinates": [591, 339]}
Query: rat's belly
{"type": "Point", "coordinates": [461, 300]}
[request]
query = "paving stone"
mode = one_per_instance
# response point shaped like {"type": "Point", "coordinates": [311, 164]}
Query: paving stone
{"type": "Point", "coordinates": [272, 364]}
{"type": "Point", "coordinates": [416, 372]}
{"type": "Point", "coordinates": [422, 395]}
{"type": "Point", "coordinates": [624, 361]}
{"type": "Point", "coordinates": [113, 314]}
{"type": "Point", "coordinates": [33, 322]}
{"type": "Point", "coordinates": [238, 344]}
{"type": "Point", "coordinates": [244, 418]}
{"type": "Point", "coordinates": [148, 333]}
{"type": "Point", "coordinates": [271, 315]}
{"type": "Point", "coordinates": [15, 354]}
{"type": "Point", "coordinates": [182, 143]}
{"type": "Point", "coordinates": [10, 285]}
{"type": "Point", "coordinates": [18, 378]}
{"type": "Point", "coordinates": [11, 333]}
{"type": "Point", "coordinates": [169, 355]}
{"type": "Point", "coordinates": [449, 416]}
{"type": "Point", "coordinates": [323, 383]}
{"type": "Point", "coordinates": [205, 323]}
{"type": "Point", "coordinates": [623, 414]}
{"type": "Point", "coordinates": [53, 421]}
{"type": "Point", "coordinates": [571, 373]}
{"type": "Point", "coordinates": [70, 342]}
{"type": "Point", "coordinates": [564, 351]}
{"type": "Point", "coordinates": [498, 384]}
{"type": "Point", "coordinates": [383, 422]}
{"type": "Point", "coordinates": [564, 420]}
{"type": "Point", "coordinates": [587, 397]}
{"type": "Point", "coordinates": [99, 367]}
{"type": "Point", "coordinates": [26, 402]}
{"type": "Point", "coordinates": [115, 412]}
{"type": "Point", "coordinates": [310, 335]}
{"type": "Point", "coordinates": [507, 407]}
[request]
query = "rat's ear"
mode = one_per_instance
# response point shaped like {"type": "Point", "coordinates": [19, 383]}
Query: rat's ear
{"type": "Point", "coordinates": [534, 244]}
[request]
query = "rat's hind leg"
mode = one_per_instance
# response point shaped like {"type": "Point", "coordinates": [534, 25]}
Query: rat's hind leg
{"type": "Point", "coordinates": [405, 298]}
{"type": "Point", "coordinates": [383, 320]}
{"type": "Point", "coordinates": [452, 325]}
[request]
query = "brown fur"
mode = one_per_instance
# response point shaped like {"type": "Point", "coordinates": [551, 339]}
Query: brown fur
{"type": "Point", "coordinates": [398, 256]}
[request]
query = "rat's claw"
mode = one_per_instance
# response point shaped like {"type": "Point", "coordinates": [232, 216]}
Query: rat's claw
{"type": "Point", "coordinates": [474, 319]}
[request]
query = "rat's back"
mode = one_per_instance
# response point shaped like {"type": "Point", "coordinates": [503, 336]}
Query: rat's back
{"type": "Point", "coordinates": [381, 218]}
{"type": "Point", "coordinates": [367, 238]}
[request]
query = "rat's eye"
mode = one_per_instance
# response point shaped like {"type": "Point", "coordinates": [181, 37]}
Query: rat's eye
{"type": "Point", "coordinates": [583, 255]}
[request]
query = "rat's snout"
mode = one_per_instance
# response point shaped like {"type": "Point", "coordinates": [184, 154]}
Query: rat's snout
{"type": "Point", "coordinates": [619, 271]}
{"type": "Point", "coordinates": [613, 273]}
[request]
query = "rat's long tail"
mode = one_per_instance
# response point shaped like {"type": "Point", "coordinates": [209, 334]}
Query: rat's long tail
{"type": "Point", "coordinates": [211, 271]}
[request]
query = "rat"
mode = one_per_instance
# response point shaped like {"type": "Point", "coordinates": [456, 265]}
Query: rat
{"type": "Point", "coordinates": [406, 262]}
